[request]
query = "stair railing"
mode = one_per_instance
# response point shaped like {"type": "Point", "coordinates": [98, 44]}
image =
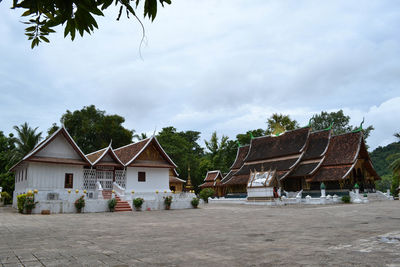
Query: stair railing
{"type": "Point", "coordinates": [99, 191]}
{"type": "Point", "coordinates": [119, 190]}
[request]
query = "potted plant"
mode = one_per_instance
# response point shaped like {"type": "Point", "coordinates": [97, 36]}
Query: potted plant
{"type": "Point", "coordinates": [30, 203]}
{"type": "Point", "coordinates": [167, 202]}
{"type": "Point", "coordinates": [80, 204]}
{"type": "Point", "coordinates": [195, 202]}
{"type": "Point", "coordinates": [138, 202]}
{"type": "Point", "coordinates": [111, 204]}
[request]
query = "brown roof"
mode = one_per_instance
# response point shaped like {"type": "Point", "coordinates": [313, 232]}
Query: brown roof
{"type": "Point", "coordinates": [128, 152]}
{"type": "Point", "coordinates": [95, 155]}
{"type": "Point", "coordinates": [240, 156]}
{"type": "Point", "coordinates": [342, 154]}
{"type": "Point", "coordinates": [173, 179]}
{"type": "Point", "coordinates": [238, 180]}
{"type": "Point", "coordinates": [331, 173]}
{"type": "Point", "coordinates": [212, 175]}
{"type": "Point", "coordinates": [304, 169]}
{"type": "Point", "coordinates": [207, 184]}
{"type": "Point", "coordinates": [267, 147]}
{"type": "Point", "coordinates": [318, 143]}
{"type": "Point", "coordinates": [343, 149]}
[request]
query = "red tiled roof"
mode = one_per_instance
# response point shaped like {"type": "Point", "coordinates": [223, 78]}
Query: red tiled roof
{"type": "Point", "coordinates": [95, 155]}
{"type": "Point", "coordinates": [128, 152]}
{"type": "Point", "coordinates": [212, 175]}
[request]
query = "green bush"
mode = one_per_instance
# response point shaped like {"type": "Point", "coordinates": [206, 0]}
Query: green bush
{"type": "Point", "coordinates": [111, 204]}
{"type": "Point", "coordinates": [346, 199]}
{"type": "Point", "coordinates": [80, 203]}
{"type": "Point", "coordinates": [138, 202]}
{"type": "Point", "coordinates": [5, 197]}
{"type": "Point", "coordinates": [206, 193]}
{"type": "Point", "coordinates": [21, 202]}
{"type": "Point", "coordinates": [195, 202]}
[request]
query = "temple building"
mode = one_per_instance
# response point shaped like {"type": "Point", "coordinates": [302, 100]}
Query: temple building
{"type": "Point", "coordinates": [302, 159]}
{"type": "Point", "coordinates": [213, 180]}
{"type": "Point", "coordinates": [57, 166]}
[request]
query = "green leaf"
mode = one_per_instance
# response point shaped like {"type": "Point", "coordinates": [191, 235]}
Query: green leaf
{"type": "Point", "coordinates": [44, 39]}
{"type": "Point", "coordinates": [26, 13]}
{"type": "Point", "coordinates": [30, 29]}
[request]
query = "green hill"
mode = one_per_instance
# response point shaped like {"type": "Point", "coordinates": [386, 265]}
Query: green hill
{"type": "Point", "coordinates": [379, 156]}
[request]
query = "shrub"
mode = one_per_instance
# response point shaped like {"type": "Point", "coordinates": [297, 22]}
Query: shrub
{"type": "Point", "coordinates": [80, 203]}
{"type": "Point", "coordinates": [206, 193]}
{"type": "Point", "coordinates": [5, 197]}
{"type": "Point", "coordinates": [21, 202]}
{"type": "Point", "coordinates": [111, 204]}
{"type": "Point", "coordinates": [195, 202]}
{"type": "Point", "coordinates": [138, 202]}
{"type": "Point", "coordinates": [346, 199]}
{"type": "Point", "coordinates": [167, 202]}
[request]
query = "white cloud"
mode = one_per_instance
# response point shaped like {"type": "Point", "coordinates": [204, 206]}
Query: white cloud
{"type": "Point", "coordinates": [212, 65]}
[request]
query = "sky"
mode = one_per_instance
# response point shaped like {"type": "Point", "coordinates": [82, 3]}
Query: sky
{"type": "Point", "coordinates": [209, 65]}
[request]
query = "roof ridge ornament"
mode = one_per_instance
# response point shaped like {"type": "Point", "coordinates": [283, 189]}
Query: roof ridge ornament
{"type": "Point", "coordinates": [251, 135]}
{"type": "Point", "coordinates": [359, 129]}
{"type": "Point", "coordinates": [330, 127]}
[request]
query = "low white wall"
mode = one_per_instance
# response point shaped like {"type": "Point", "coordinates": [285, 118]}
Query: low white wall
{"type": "Point", "coordinates": [65, 206]}
{"type": "Point", "coordinates": [154, 201]}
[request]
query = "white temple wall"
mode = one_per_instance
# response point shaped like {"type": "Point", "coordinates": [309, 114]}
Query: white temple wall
{"type": "Point", "coordinates": [156, 179]}
{"type": "Point", "coordinates": [45, 176]}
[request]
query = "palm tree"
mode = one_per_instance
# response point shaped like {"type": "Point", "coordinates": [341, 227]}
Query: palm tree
{"type": "Point", "coordinates": [27, 139]}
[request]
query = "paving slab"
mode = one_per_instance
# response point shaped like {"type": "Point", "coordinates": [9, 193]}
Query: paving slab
{"type": "Point", "coordinates": [213, 235]}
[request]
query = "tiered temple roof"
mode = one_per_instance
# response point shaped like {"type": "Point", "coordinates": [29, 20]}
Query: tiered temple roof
{"type": "Point", "coordinates": [279, 153]}
{"type": "Point", "coordinates": [318, 156]}
{"type": "Point", "coordinates": [342, 155]}
{"type": "Point", "coordinates": [211, 179]}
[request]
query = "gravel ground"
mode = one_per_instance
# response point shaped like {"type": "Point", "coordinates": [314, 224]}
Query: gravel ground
{"type": "Point", "coordinates": [213, 235]}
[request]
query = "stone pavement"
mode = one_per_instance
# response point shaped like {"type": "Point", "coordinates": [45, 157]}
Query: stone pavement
{"type": "Point", "coordinates": [214, 235]}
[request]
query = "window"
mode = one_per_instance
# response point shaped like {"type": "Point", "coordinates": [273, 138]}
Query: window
{"type": "Point", "coordinates": [69, 180]}
{"type": "Point", "coordinates": [141, 177]}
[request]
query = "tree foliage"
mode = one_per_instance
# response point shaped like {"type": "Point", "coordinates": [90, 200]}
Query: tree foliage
{"type": "Point", "coordinates": [75, 16]}
{"type": "Point", "coordinates": [92, 129]}
{"type": "Point", "coordinates": [7, 149]}
{"type": "Point", "coordinates": [27, 139]}
{"type": "Point", "coordinates": [244, 139]}
{"type": "Point", "coordinates": [339, 121]}
{"type": "Point", "coordinates": [184, 150]}
{"type": "Point", "coordinates": [278, 123]}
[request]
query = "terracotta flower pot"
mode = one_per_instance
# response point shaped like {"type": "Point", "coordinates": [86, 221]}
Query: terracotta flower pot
{"type": "Point", "coordinates": [28, 211]}
{"type": "Point", "coordinates": [138, 208]}
{"type": "Point", "coordinates": [78, 210]}
{"type": "Point", "coordinates": [167, 207]}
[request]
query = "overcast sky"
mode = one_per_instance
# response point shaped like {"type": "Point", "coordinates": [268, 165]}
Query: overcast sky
{"type": "Point", "coordinates": [209, 65]}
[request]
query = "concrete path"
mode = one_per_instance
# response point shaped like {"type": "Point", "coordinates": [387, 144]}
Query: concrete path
{"type": "Point", "coordinates": [214, 235]}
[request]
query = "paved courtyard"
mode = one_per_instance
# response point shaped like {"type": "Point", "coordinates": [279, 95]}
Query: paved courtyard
{"type": "Point", "coordinates": [214, 235]}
